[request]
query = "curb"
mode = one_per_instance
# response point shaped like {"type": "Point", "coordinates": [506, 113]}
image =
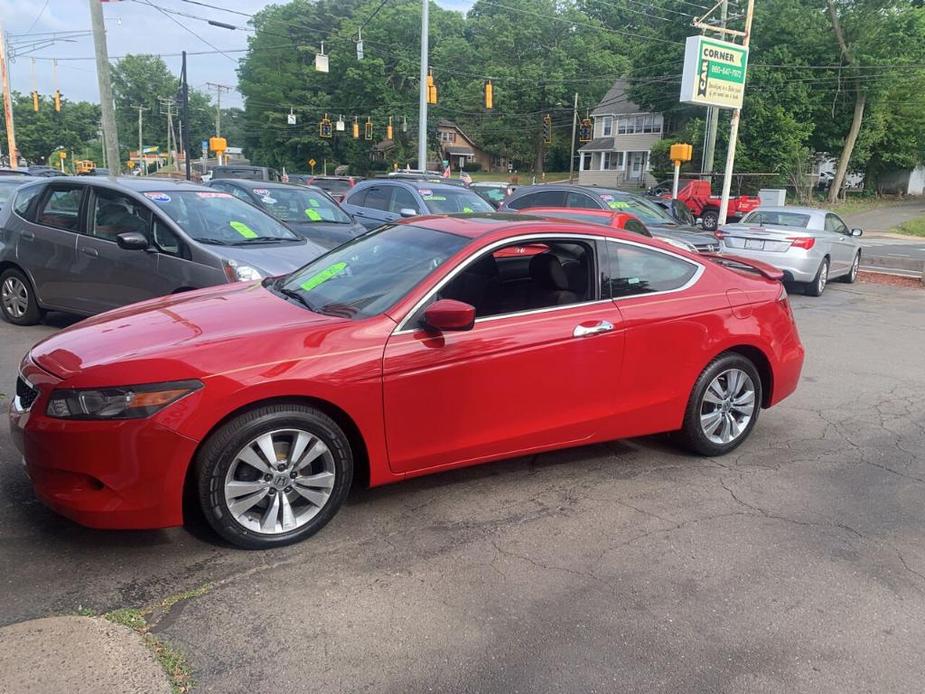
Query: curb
{"type": "Point", "coordinates": [891, 265]}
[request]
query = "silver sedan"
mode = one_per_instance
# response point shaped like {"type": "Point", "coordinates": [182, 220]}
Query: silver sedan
{"type": "Point", "coordinates": [810, 245]}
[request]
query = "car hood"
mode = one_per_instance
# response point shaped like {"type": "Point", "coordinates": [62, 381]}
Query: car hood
{"type": "Point", "coordinates": [273, 259]}
{"type": "Point", "coordinates": [327, 234]}
{"type": "Point", "coordinates": [179, 330]}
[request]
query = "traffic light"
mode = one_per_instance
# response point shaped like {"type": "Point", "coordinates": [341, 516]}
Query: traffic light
{"type": "Point", "coordinates": [547, 129]}
{"type": "Point", "coordinates": [388, 130]}
{"type": "Point", "coordinates": [35, 101]}
{"type": "Point", "coordinates": [325, 129]}
{"type": "Point", "coordinates": [489, 96]}
{"type": "Point", "coordinates": [369, 129]}
{"type": "Point", "coordinates": [57, 100]}
{"type": "Point", "coordinates": [585, 130]}
{"type": "Point", "coordinates": [431, 89]}
{"type": "Point", "coordinates": [356, 129]}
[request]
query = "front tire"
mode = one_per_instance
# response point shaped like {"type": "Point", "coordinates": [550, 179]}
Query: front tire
{"type": "Point", "coordinates": [18, 303]}
{"type": "Point", "coordinates": [710, 220]}
{"type": "Point", "coordinates": [723, 406]}
{"type": "Point", "coordinates": [852, 275]}
{"type": "Point", "coordinates": [274, 475]}
{"type": "Point", "coordinates": [817, 286]}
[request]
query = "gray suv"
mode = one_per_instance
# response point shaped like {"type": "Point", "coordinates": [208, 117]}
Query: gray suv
{"type": "Point", "coordinates": [86, 245]}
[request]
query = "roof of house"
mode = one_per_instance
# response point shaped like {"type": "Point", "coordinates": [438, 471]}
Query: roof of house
{"type": "Point", "coordinates": [615, 101]}
{"type": "Point", "coordinates": [598, 144]}
{"type": "Point", "coordinates": [445, 123]}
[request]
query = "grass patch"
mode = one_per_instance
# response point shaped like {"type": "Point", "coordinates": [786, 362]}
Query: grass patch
{"type": "Point", "coordinates": [914, 227]}
{"type": "Point", "coordinates": [172, 660]}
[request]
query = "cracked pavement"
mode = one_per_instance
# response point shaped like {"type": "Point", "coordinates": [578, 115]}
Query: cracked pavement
{"type": "Point", "coordinates": [795, 564]}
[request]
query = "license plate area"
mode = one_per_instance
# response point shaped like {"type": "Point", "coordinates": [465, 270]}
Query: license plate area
{"type": "Point", "coordinates": [754, 244]}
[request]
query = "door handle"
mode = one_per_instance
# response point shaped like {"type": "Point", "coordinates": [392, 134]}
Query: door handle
{"type": "Point", "coordinates": [90, 251]}
{"type": "Point", "coordinates": [602, 326]}
{"type": "Point", "coordinates": [28, 235]}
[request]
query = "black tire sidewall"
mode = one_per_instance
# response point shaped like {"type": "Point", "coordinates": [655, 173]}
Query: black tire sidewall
{"type": "Point", "coordinates": [33, 312]}
{"type": "Point", "coordinates": [216, 456]}
{"type": "Point", "coordinates": [711, 215]}
{"type": "Point", "coordinates": [691, 432]}
{"type": "Point", "coordinates": [813, 289]}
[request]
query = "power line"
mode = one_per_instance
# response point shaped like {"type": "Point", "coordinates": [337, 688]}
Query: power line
{"type": "Point", "coordinates": [38, 17]}
{"type": "Point", "coordinates": [185, 28]}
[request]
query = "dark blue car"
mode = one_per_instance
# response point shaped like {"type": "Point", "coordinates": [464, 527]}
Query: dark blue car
{"type": "Point", "coordinates": [380, 201]}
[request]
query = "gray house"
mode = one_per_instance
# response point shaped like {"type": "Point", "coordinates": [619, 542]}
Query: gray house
{"type": "Point", "coordinates": [623, 135]}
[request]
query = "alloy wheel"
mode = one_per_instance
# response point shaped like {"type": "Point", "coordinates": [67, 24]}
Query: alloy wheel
{"type": "Point", "coordinates": [727, 406]}
{"type": "Point", "coordinates": [14, 295]}
{"type": "Point", "coordinates": [279, 481]}
{"type": "Point", "coordinates": [854, 268]}
{"type": "Point", "coordinates": [823, 276]}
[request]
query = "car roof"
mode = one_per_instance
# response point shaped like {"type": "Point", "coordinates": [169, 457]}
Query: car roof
{"type": "Point", "coordinates": [139, 184]}
{"type": "Point", "coordinates": [591, 190]}
{"type": "Point", "coordinates": [797, 210]}
{"type": "Point", "coordinates": [252, 184]}
{"type": "Point", "coordinates": [474, 226]}
{"type": "Point", "coordinates": [413, 183]}
{"type": "Point", "coordinates": [589, 211]}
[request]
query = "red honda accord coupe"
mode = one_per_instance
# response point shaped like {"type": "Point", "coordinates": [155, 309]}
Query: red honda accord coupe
{"type": "Point", "coordinates": [421, 346]}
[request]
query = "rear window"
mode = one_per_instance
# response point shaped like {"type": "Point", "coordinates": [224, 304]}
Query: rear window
{"type": "Point", "coordinates": [445, 201]}
{"type": "Point", "coordinates": [631, 270]}
{"type": "Point", "coordinates": [772, 218]}
{"type": "Point", "coordinates": [23, 198]}
{"type": "Point", "coordinates": [332, 186]}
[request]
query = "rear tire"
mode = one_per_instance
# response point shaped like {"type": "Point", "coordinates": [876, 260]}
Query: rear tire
{"type": "Point", "coordinates": [710, 220]}
{"type": "Point", "coordinates": [817, 286]}
{"type": "Point", "coordinates": [18, 303]}
{"type": "Point", "coordinates": [274, 475]}
{"type": "Point", "coordinates": [852, 275]}
{"type": "Point", "coordinates": [723, 406]}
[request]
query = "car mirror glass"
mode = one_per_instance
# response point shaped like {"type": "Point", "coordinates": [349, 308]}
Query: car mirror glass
{"type": "Point", "coordinates": [408, 212]}
{"type": "Point", "coordinates": [857, 232]}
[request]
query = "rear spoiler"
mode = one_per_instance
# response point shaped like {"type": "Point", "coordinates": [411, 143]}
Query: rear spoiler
{"type": "Point", "coordinates": [733, 261]}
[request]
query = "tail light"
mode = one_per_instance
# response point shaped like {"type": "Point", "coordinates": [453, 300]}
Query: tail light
{"type": "Point", "coordinates": [720, 235]}
{"type": "Point", "coordinates": [804, 242]}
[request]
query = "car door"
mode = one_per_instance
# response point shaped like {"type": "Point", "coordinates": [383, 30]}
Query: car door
{"type": "Point", "coordinates": [843, 244]}
{"type": "Point", "coordinates": [47, 244]}
{"type": "Point", "coordinates": [374, 210]}
{"type": "Point", "coordinates": [582, 200]}
{"type": "Point", "coordinates": [518, 381]}
{"type": "Point", "coordinates": [544, 198]}
{"type": "Point", "coordinates": [113, 276]}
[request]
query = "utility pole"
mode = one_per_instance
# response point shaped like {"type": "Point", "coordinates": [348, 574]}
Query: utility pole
{"type": "Point", "coordinates": [712, 122]}
{"type": "Point", "coordinates": [218, 111]}
{"type": "Point", "coordinates": [184, 124]}
{"type": "Point", "coordinates": [141, 158]}
{"type": "Point", "coordinates": [571, 150]}
{"type": "Point", "coordinates": [167, 102]}
{"type": "Point", "coordinates": [422, 101]}
{"type": "Point", "coordinates": [734, 128]}
{"type": "Point", "coordinates": [7, 103]}
{"type": "Point", "coordinates": [110, 136]}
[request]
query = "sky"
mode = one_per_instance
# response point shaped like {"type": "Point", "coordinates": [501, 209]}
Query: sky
{"type": "Point", "coordinates": [132, 26]}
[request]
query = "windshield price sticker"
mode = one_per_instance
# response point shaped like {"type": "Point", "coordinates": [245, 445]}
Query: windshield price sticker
{"type": "Point", "coordinates": [617, 205]}
{"type": "Point", "coordinates": [158, 197]}
{"type": "Point", "coordinates": [243, 229]}
{"type": "Point", "coordinates": [425, 191]}
{"type": "Point", "coordinates": [323, 276]}
{"type": "Point", "coordinates": [262, 191]}
{"type": "Point", "coordinates": [312, 215]}
{"type": "Point", "coordinates": [214, 195]}
{"type": "Point", "coordinates": [434, 197]}
{"type": "Point", "coordinates": [314, 202]}
{"type": "Point", "coordinates": [268, 200]}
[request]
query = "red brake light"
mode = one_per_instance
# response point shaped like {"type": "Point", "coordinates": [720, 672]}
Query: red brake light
{"type": "Point", "coordinates": [805, 242]}
{"type": "Point", "coordinates": [719, 234]}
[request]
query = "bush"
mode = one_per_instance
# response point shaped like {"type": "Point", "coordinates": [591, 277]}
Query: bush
{"type": "Point", "coordinates": [378, 165]}
{"type": "Point", "coordinates": [473, 166]}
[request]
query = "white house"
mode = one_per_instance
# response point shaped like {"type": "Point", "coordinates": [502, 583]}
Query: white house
{"type": "Point", "coordinates": [623, 135]}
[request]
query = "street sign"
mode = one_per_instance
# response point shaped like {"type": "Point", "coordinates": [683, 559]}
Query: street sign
{"type": "Point", "coordinates": [714, 73]}
{"type": "Point", "coordinates": [312, 162]}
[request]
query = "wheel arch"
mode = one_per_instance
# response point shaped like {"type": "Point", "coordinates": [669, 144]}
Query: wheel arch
{"type": "Point", "coordinates": [10, 265]}
{"type": "Point", "coordinates": [763, 365]}
{"type": "Point", "coordinates": [361, 471]}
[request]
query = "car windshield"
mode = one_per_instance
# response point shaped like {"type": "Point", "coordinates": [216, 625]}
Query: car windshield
{"type": "Point", "coordinates": [451, 201]}
{"type": "Point", "coordinates": [366, 276]}
{"type": "Point", "coordinates": [300, 205]}
{"type": "Point", "coordinates": [220, 218]}
{"type": "Point", "coordinates": [7, 186]}
{"type": "Point", "coordinates": [648, 212]}
{"type": "Point", "coordinates": [781, 219]}
{"type": "Point", "coordinates": [494, 193]}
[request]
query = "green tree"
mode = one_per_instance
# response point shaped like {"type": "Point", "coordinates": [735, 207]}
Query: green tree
{"type": "Point", "coordinates": [38, 134]}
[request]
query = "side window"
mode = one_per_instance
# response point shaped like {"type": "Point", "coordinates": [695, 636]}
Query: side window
{"type": "Point", "coordinates": [525, 277]}
{"type": "Point", "coordinates": [581, 200]}
{"type": "Point", "coordinates": [402, 199]}
{"type": "Point", "coordinates": [377, 197]}
{"type": "Point", "coordinates": [637, 227]}
{"type": "Point", "coordinates": [166, 241]}
{"type": "Point", "coordinates": [833, 223]}
{"type": "Point", "coordinates": [60, 208]}
{"type": "Point", "coordinates": [631, 270]}
{"type": "Point", "coordinates": [114, 214]}
{"type": "Point", "coordinates": [23, 201]}
{"type": "Point", "coordinates": [546, 198]}
{"type": "Point", "coordinates": [358, 198]}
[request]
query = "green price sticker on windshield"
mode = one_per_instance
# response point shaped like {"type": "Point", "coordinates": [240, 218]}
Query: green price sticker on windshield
{"type": "Point", "coordinates": [467, 209]}
{"type": "Point", "coordinates": [323, 276]}
{"type": "Point", "coordinates": [617, 205]}
{"type": "Point", "coordinates": [243, 229]}
{"type": "Point", "coordinates": [313, 215]}
{"type": "Point", "coordinates": [314, 202]}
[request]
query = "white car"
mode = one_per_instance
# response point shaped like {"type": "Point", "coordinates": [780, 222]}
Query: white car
{"type": "Point", "coordinates": [810, 245]}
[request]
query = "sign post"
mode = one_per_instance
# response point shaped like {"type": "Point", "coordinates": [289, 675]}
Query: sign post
{"type": "Point", "coordinates": [714, 75]}
{"type": "Point", "coordinates": [679, 153]}
{"type": "Point", "coordinates": [311, 163]}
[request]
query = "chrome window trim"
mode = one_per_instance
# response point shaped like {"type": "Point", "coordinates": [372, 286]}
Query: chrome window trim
{"type": "Point", "coordinates": [403, 328]}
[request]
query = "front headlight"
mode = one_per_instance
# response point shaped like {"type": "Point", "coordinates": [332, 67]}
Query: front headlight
{"type": "Point", "coordinates": [125, 402]}
{"type": "Point", "coordinates": [235, 272]}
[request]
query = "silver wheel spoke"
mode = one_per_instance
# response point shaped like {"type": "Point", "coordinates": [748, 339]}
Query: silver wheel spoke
{"type": "Point", "coordinates": [268, 522]}
{"type": "Point", "coordinates": [246, 503]}
{"type": "Point", "coordinates": [310, 495]}
{"type": "Point", "coordinates": [238, 489]}
{"type": "Point", "coordinates": [734, 429]}
{"type": "Point", "coordinates": [249, 456]}
{"type": "Point", "coordinates": [727, 406]}
{"type": "Point", "coordinates": [724, 432]}
{"type": "Point", "coordinates": [265, 444]}
{"type": "Point", "coordinates": [710, 422]}
{"type": "Point", "coordinates": [712, 398]}
{"type": "Point", "coordinates": [298, 447]}
{"type": "Point", "coordinates": [317, 449]}
{"type": "Point", "coordinates": [288, 518]}
{"type": "Point", "coordinates": [717, 390]}
{"type": "Point", "coordinates": [323, 480]}
{"type": "Point", "coordinates": [746, 400]}
{"type": "Point", "coordinates": [732, 383]}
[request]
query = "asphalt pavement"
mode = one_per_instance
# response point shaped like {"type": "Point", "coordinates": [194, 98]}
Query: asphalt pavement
{"type": "Point", "coordinates": [795, 564]}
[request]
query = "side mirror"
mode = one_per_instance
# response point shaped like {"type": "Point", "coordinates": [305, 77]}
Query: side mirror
{"type": "Point", "coordinates": [131, 241]}
{"type": "Point", "coordinates": [408, 212]}
{"type": "Point", "coordinates": [857, 232]}
{"type": "Point", "coordinates": [449, 314]}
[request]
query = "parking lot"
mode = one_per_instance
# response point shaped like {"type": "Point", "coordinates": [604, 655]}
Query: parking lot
{"type": "Point", "coordinates": [795, 564]}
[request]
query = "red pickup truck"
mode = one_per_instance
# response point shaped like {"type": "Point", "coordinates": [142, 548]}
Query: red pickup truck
{"type": "Point", "coordinates": [701, 201]}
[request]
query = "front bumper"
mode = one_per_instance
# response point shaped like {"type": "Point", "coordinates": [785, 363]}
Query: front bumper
{"type": "Point", "coordinates": [126, 474]}
{"type": "Point", "coordinates": [796, 264]}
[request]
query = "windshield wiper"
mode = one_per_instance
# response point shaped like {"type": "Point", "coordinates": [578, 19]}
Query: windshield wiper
{"type": "Point", "coordinates": [262, 239]}
{"type": "Point", "coordinates": [217, 242]}
{"type": "Point", "coordinates": [295, 294]}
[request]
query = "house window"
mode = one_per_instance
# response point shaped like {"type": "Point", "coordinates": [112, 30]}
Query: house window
{"type": "Point", "coordinates": [447, 136]}
{"type": "Point", "coordinates": [612, 161]}
{"type": "Point", "coordinates": [607, 126]}
{"type": "Point", "coordinates": [621, 126]}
